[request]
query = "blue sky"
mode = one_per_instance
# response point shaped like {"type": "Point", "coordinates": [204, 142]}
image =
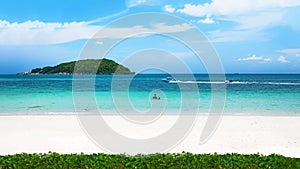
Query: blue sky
{"type": "Point", "coordinates": [249, 36]}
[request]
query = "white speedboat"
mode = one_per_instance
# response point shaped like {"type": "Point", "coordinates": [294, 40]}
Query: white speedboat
{"type": "Point", "coordinates": [228, 81]}
{"type": "Point", "coordinates": [170, 80]}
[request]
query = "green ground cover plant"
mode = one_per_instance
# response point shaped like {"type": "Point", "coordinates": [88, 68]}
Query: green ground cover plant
{"type": "Point", "coordinates": [181, 160]}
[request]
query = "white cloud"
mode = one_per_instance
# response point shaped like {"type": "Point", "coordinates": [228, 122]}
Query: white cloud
{"type": "Point", "coordinates": [295, 51]}
{"type": "Point", "coordinates": [262, 59]}
{"type": "Point", "coordinates": [248, 28]}
{"type": "Point", "coordinates": [133, 3]}
{"type": "Point", "coordinates": [39, 33]}
{"type": "Point", "coordinates": [207, 20]}
{"type": "Point", "coordinates": [252, 57]}
{"type": "Point", "coordinates": [195, 10]}
{"type": "Point", "coordinates": [36, 32]}
{"type": "Point", "coordinates": [267, 59]}
{"type": "Point", "coordinates": [233, 7]}
{"type": "Point", "coordinates": [250, 16]}
{"type": "Point", "coordinates": [133, 31]}
{"type": "Point", "coordinates": [258, 21]}
{"type": "Point", "coordinates": [256, 58]}
{"type": "Point", "coordinates": [169, 8]}
{"type": "Point", "coordinates": [282, 59]}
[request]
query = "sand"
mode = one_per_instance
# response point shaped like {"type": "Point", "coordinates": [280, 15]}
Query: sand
{"type": "Point", "coordinates": [235, 134]}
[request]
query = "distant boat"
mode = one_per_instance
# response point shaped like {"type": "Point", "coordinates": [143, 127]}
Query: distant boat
{"type": "Point", "coordinates": [228, 81]}
{"type": "Point", "coordinates": [170, 80]}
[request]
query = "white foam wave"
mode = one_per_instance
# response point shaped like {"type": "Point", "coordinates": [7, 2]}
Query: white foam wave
{"type": "Point", "coordinates": [267, 83]}
{"type": "Point", "coordinates": [238, 82]}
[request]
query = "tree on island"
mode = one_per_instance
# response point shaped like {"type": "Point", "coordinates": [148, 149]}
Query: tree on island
{"type": "Point", "coordinates": [88, 66]}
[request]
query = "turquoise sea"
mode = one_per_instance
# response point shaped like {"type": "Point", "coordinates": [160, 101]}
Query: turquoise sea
{"type": "Point", "coordinates": [258, 94]}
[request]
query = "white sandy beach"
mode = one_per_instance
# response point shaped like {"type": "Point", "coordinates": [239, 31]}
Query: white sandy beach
{"type": "Point", "coordinates": [235, 134]}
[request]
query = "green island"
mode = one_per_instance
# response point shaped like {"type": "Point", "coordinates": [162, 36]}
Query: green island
{"type": "Point", "coordinates": [87, 66]}
{"type": "Point", "coordinates": [181, 160]}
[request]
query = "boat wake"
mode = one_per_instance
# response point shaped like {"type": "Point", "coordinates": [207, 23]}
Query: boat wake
{"type": "Point", "coordinates": [237, 82]}
{"type": "Point", "coordinates": [267, 83]}
{"type": "Point", "coordinates": [229, 81]}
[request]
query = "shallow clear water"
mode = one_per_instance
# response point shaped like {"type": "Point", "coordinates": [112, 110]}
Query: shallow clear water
{"type": "Point", "coordinates": [247, 94]}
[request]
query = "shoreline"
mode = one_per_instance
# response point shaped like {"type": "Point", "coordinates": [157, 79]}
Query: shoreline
{"type": "Point", "coordinates": [235, 134]}
{"type": "Point", "coordinates": [114, 113]}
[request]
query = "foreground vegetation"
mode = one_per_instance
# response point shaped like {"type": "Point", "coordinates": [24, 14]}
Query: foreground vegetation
{"type": "Point", "coordinates": [183, 160]}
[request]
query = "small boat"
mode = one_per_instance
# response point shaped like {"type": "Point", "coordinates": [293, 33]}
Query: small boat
{"type": "Point", "coordinates": [228, 81]}
{"type": "Point", "coordinates": [170, 80]}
